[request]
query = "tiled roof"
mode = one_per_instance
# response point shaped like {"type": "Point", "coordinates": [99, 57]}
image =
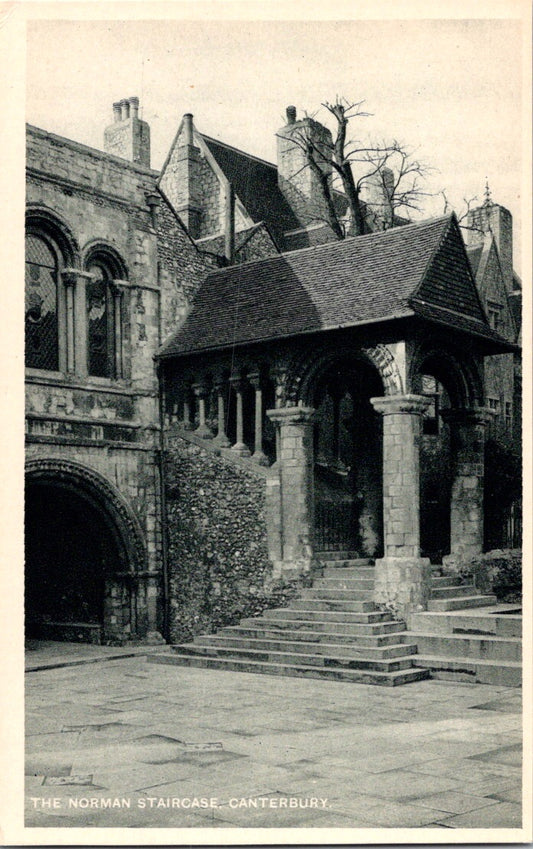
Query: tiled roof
{"type": "Point", "coordinates": [256, 185]}
{"type": "Point", "coordinates": [356, 281]}
{"type": "Point", "coordinates": [474, 255]}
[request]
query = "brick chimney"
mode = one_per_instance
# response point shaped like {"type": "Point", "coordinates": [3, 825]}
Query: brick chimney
{"type": "Point", "coordinates": [296, 180]}
{"type": "Point", "coordinates": [128, 136]}
{"type": "Point", "coordinates": [494, 220]}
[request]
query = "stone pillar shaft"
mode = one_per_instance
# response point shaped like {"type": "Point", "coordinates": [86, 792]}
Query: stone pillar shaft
{"type": "Point", "coordinates": [239, 447]}
{"type": "Point", "coordinates": [221, 437]}
{"type": "Point", "coordinates": [467, 439]}
{"type": "Point", "coordinates": [203, 429]}
{"type": "Point", "coordinates": [295, 466]}
{"type": "Point", "coordinates": [70, 324]}
{"type": "Point", "coordinates": [117, 297]}
{"type": "Point", "coordinates": [258, 455]}
{"type": "Point", "coordinates": [402, 577]}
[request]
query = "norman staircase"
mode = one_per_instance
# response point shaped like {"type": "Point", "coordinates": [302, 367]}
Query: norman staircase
{"type": "Point", "coordinates": [334, 631]}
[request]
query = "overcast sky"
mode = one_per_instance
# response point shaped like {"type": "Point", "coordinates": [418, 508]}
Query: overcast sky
{"type": "Point", "coordinates": [449, 88]}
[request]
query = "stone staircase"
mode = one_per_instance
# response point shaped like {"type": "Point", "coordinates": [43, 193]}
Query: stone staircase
{"type": "Point", "coordinates": [335, 631]}
{"type": "Point", "coordinates": [465, 636]}
{"type": "Point", "coordinates": [332, 631]}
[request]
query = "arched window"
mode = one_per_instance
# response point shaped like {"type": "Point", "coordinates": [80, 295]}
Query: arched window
{"type": "Point", "coordinates": [41, 303]}
{"type": "Point", "coordinates": [101, 321]}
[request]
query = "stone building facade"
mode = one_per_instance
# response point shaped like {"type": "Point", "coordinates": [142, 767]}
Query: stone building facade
{"type": "Point", "coordinates": [106, 259]}
{"type": "Point", "coordinates": [177, 338]}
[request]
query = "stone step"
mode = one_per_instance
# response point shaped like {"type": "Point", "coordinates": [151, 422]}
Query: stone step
{"type": "Point", "coordinates": [498, 625]}
{"type": "Point", "coordinates": [328, 594]}
{"type": "Point", "coordinates": [470, 646]}
{"type": "Point", "coordinates": [312, 648]}
{"type": "Point", "coordinates": [499, 672]}
{"type": "Point", "coordinates": [311, 613]}
{"type": "Point", "coordinates": [443, 581]}
{"type": "Point", "coordinates": [349, 573]}
{"type": "Point", "coordinates": [269, 631]}
{"type": "Point", "coordinates": [356, 676]}
{"type": "Point", "coordinates": [310, 602]}
{"type": "Point", "coordinates": [454, 591]}
{"type": "Point", "coordinates": [342, 557]}
{"type": "Point", "coordinates": [440, 604]}
{"type": "Point", "coordinates": [288, 657]}
{"type": "Point", "coordinates": [349, 584]}
{"type": "Point", "coordinates": [350, 628]}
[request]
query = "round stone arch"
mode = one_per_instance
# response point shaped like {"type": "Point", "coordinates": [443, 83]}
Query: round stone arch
{"type": "Point", "coordinates": [85, 555]}
{"type": "Point", "coordinates": [114, 509]}
{"type": "Point", "coordinates": [305, 370]}
{"type": "Point", "coordinates": [101, 249]}
{"type": "Point", "coordinates": [457, 370]}
{"type": "Point", "coordinates": [45, 221]}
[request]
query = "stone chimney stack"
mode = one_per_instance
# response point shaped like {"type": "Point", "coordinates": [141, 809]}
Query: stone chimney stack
{"type": "Point", "coordinates": [128, 136]}
{"type": "Point", "coordinates": [296, 180]}
{"type": "Point", "coordinates": [494, 220]}
{"type": "Point", "coordinates": [378, 194]}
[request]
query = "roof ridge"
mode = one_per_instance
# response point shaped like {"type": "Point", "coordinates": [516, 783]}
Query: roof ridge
{"type": "Point", "coordinates": [238, 150]}
{"type": "Point", "coordinates": [338, 242]}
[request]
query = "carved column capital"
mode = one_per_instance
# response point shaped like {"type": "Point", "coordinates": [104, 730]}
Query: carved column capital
{"type": "Point", "coordinates": [292, 415]}
{"type": "Point", "coordinates": [468, 416]}
{"type": "Point", "coordinates": [401, 404]}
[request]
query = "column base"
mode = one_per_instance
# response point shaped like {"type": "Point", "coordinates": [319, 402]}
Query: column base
{"type": "Point", "coordinates": [260, 458]}
{"type": "Point", "coordinates": [204, 432]}
{"type": "Point", "coordinates": [456, 561]}
{"type": "Point", "coordinates": [241, 449]}
{"type": "Point", "coordinates": [222, 440]}
{"type": "Point", "coordinates": [402, 585]}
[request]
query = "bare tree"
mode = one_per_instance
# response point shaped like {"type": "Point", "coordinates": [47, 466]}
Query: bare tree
{"type": "Point", "coordinates": [356, 166]}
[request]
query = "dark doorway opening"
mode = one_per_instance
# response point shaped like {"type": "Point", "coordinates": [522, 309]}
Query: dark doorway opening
{"type": "Point", "coordinates": [70, 551]}
{"type": "Point", "coordinates": [348, 460]}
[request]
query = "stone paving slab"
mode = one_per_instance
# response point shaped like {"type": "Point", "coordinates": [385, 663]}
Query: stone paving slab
{"type": "Point", "coordinates": [134, 731]}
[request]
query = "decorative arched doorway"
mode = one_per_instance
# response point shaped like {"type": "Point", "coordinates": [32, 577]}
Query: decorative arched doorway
{"type": "Point", "coordinates": [83, 549]}
{"type": "Point", "coordinates": [348, 455]}
{"type": "Point", "coordinates": [450, 448]}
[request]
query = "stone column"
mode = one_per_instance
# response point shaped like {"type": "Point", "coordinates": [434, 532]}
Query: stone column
{"type": "Point", "coordinates": [70, 282]}
{"type": "Point", "coordinates": [117, 290]}
{"type": "Point", "coordinates": [221, 437]}
{"type": "Point", "coordinates": [239, 447]}
{"type": "Point", "coordinates": [402, 577]}
{"type": "Point", "coordinates": [187, 423]}
{"type": "Point", "coordinates": [295, 467]}
{"type": "Point", "coordinates": [203, 429]}
{"type": "Point", "coordinates": [467, 441]}
{"type": "Point", "coordinates": [78, 279]}
{"type": "Point", "coordinates": [258, 456]}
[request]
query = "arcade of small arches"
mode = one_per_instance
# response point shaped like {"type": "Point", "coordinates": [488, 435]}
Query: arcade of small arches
{"type": "Point", "coordinates": [346, 431]}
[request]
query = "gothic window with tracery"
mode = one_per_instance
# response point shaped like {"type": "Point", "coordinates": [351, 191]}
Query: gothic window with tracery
{"type": "Point", "coordinates": [41, 302]}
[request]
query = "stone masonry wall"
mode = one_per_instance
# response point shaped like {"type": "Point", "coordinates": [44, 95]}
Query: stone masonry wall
{"type": "Point", "coordinates": [181, 269]}
{"type": "Point", "coordinates": [218, 559]}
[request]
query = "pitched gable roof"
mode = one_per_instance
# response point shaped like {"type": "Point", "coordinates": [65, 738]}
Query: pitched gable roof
{"type": "Point", "coordinates": [417, 269]}
{"type": "Point", "coordinates": [256, 185]}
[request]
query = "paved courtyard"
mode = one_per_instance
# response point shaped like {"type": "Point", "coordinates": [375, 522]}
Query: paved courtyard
{"type": "Point", "coordinates": [131, 743]}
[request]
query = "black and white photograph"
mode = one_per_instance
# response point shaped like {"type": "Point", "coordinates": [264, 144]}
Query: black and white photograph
{"type": "Point", "coordinates": [272, 262]}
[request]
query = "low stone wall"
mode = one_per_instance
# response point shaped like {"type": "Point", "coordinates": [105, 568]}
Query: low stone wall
{"type": "Point", "coordinates": [219, 570]}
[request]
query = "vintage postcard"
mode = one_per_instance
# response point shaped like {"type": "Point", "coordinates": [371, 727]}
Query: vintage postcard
{"type": "Point", "coordinates": [267, 466]}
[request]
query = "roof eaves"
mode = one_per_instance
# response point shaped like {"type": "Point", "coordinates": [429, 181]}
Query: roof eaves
{"type": "Point", "coordinates": [407, 313]}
